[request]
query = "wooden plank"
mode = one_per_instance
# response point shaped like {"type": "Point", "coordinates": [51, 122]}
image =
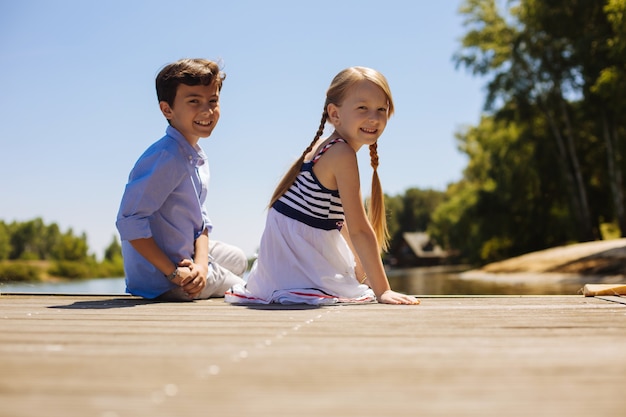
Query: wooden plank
{"type": "Point", "coordinates": [116, 356]}
{"type": "Point", "coordinates": [613, 298]}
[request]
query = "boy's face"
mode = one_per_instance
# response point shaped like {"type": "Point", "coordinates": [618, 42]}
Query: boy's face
{"type": "Point", "coordinates": [195, 111]}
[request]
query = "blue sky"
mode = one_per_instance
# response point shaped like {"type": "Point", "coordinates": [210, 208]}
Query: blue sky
{"type": "Point", "coordinates": [78, 105]}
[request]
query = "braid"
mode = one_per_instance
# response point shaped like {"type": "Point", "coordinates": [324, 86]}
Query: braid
{"type": "Point", "coordinates": [293, 172]}
{"type": "Point", "coordinates": [376, 205]}
{"type": "Point", "coordinates": [320, 129]}
{"type": "Point", "coordinates": [374, 156]}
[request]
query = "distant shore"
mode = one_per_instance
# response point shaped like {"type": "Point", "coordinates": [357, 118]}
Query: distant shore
{"type": "Point", "coordinates": [601, 261]}
{"type": "Point", "coordinates": [45, 271]}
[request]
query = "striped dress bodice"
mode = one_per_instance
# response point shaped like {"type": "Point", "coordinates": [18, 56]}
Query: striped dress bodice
{"type": "Point", "coordinates": [309, 202]}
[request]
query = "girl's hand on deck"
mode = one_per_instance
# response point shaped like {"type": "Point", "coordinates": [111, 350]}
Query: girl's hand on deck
{"type": "Point", "coordinates": [392, 297]}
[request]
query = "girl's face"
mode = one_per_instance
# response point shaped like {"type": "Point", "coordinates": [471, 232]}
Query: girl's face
{"type": "Point", "coordinates": [195, 112]}
{"type": "Point", "coordinates": [362, 116]}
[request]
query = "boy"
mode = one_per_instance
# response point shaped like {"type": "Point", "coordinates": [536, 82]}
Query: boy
{"type": "Point", "coordinates": [162, 219]}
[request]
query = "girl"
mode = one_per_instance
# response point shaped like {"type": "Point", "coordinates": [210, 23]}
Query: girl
{"type": "Point", "coordinates": [318, 246]}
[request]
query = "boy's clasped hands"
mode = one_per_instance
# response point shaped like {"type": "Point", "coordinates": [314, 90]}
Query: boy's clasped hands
{"type": "Point", "coordinates": [191, 277]}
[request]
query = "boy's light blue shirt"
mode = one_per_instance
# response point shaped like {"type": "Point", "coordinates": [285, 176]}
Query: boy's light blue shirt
{"type": "Point", "coordinates": [164, 199]}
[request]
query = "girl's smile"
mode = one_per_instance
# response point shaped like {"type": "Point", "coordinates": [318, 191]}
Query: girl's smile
{"type": "Point", "coordinates": [361, 118]}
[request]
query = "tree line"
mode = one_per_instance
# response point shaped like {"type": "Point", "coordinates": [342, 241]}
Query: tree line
{"type": "Point", "coordinates": [546, 160]}
{"type": "Point", "coordinates": [31, 250]}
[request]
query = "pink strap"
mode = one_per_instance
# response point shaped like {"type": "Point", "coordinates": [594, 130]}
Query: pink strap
{"type": "Point", "coordinates": [325, 148]}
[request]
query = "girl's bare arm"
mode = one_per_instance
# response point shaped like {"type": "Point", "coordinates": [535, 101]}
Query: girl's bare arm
{"type": "Point", "coordinates": [343, 163]}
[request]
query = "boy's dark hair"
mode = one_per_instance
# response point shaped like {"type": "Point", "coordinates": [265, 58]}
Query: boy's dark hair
{"type": "Point", "coordinates": [196, 71]}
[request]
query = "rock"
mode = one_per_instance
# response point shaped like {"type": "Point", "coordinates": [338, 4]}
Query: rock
{"type": "Point", "coordinates": [593, 258]}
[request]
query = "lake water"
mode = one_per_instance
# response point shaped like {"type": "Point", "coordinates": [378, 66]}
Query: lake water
{"type": "Point", "coordinates": [452, 281]}
{"type": "Point", "coordinates": [418, 281]}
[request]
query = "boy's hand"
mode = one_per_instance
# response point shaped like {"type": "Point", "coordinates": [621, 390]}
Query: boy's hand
{"type": "Point", "coordinates": [193, 277]}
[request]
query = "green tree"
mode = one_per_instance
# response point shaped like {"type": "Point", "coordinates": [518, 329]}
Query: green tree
{"type": "Point", "coordinates": [556, 96]}
{"type": "Point", "coordinates": [504, 205]}
{"type": "Point", "coordinates": [113, 263]}
{"type": "Point", "coordinates": [51, 239]}
{"type": "Point", "coordinates": [21, 242]}
{"type": "Point", "coordinates": [410, 212]}
{"type": "Point", "coordinates": [394, 207]}
{"type": "Point", "coordinates": [113, 252]}
{"type": "Point", "coordinates": [5, 241]}
{"type": "Point", "coordinates": [531, 65]}
{"type": "Point", "coordinates": [71, 248]}
{"type": "Point", "coordinates": [606, 92]}
{"type": "Point", "coordinates": [418, 205]}
{"type": "Point", "coordinates": [27, 240]}
{"type": "Point", "coordinates": [453, 223]}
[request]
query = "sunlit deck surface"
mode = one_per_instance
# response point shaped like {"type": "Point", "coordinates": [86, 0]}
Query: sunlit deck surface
{"type": "Point", "coordinates": [119, 356]}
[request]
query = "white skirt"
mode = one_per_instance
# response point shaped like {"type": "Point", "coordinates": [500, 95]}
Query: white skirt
{"type": "Point", "coordinates": [298, 263]}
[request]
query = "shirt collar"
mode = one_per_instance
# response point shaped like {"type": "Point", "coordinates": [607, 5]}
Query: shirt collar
{"type": "Point", "coordinates": [195, 156]}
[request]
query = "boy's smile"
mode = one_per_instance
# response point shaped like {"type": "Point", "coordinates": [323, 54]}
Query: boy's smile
{"type": "Point", "coordinates": [195, 111]}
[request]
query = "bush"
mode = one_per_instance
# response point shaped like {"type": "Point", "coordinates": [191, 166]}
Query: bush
{"type": "Point", "coordinates": [19, 272]}
{"type": "Point", "coordinates": [71, 269]}
{"type": "Point", "coordinates": [110, 269]}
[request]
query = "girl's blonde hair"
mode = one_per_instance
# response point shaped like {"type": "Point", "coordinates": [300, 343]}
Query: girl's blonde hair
{"type": "Point", "coordinates": [336, 93]}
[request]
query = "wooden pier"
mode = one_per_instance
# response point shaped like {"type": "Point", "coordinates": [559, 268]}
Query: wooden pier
{"type": "Point", "coordinates": [120, 356]}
